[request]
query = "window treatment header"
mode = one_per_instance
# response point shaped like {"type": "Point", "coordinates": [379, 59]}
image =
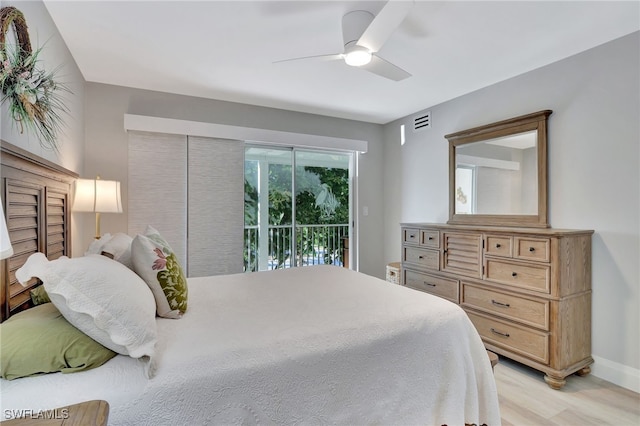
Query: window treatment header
{"type": "Point", "coordinates": [247, 134]}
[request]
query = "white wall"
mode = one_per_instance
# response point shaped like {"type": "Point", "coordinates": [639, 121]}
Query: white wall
{"type": "Point", "coordinates": [594, 179]}
{"type": "Point", "coordinates": [43, 32]}
{"type": "Point", "coordinates": [106, 147]}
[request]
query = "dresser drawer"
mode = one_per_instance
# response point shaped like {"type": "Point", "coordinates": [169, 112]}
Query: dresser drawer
{"type": "Point", "coordinates": [533, 248]}
{"type": "Point", "coordinates": [498, 246]}
{"type": "Point", "coordinates": [443, 287]}
{"type": "Point", "coordinates": [508, 306]}
{"type": "Point", "coordinates": [430, 238]}
{"type": "Point", "coordinates": [524, 341]}
{"type": "Point", "coordinates": [422, 257]}
{"type": "Point", "coordinates": [522, 275]}
{"type": "Point", "coordinates": [411, 236]}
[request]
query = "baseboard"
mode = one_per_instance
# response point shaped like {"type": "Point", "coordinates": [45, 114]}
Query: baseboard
{"type": "Point", "coordinates": [619, 374]}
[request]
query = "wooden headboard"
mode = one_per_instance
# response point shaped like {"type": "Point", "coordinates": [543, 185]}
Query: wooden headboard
{"type": "Point", "coordinates": [36, 196]}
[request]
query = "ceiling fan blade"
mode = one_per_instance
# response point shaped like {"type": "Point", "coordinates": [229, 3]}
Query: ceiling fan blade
{"type": "Point", "coordinates": [331, 57]}
{"type": "Point", "coordinates": [385, 69]}
{"type": "Point", "coordinates": [384, 24]}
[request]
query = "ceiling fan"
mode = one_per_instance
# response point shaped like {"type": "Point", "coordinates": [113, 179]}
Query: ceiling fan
{"type": "Point", "coordinates": [364, 35]}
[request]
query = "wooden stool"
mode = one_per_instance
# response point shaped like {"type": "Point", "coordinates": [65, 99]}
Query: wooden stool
{"type": "Point", "coordinates": [89, 413]}
{"type": "Point", "coordinates": [493, 358]}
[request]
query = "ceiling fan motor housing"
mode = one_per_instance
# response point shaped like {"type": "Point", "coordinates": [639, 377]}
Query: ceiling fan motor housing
{"type": "Point", "coordinates": [353, 25]}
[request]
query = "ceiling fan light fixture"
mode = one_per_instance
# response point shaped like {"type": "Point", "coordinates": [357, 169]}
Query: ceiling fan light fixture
{"type": "Point", "coordinates": [357, 56]}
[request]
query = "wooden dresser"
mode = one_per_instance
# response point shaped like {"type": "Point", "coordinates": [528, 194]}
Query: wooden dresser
{"type": "Point", "coordinates": [527, 290]}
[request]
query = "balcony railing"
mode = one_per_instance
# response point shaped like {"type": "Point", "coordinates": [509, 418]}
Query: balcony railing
{"type": "Point", "coordinates": [315, 245]}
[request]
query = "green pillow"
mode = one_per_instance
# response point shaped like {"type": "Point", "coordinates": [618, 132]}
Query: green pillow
{"type": "Point", "coordinates": [40, 340]}
{"type": "Point", "coordinates": [39, 296]}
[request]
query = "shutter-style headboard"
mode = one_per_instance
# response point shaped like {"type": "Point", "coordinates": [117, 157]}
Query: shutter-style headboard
{"type": "Point", "coordinates": [36, 197]}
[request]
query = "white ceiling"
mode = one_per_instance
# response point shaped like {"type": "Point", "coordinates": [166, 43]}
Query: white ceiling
{"type": "Point", "coordinates": [225, 49]}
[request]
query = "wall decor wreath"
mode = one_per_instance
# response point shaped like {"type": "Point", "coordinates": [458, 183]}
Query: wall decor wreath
{"type": "Point", "coordinates": [34, 97]}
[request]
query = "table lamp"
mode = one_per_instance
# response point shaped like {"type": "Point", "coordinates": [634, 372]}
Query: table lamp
{"type": "Point", "coordinates": [97, 196]}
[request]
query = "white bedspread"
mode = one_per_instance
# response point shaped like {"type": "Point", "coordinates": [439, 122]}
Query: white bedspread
{"type": "Point", "coordinates": [315, 345]}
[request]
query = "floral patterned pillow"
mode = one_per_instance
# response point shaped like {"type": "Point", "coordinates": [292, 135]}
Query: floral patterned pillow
{"type": "Point", "coordinates": [154, 260]}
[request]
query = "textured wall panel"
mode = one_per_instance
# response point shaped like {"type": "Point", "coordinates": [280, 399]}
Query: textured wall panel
{"type": "Point", "coordinates": [216, 206]}
{"type": "Point", "coordinates": [158, 188]}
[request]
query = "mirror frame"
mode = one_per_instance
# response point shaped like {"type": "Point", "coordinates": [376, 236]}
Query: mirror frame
{"type": "Point", "coordinates": [535, 121]}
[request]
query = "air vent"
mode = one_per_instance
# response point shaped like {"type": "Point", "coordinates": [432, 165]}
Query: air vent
{"type": "Point", "coordinates": [422, 122]}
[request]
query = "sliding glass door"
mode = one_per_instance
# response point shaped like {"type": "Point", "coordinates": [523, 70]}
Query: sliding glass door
{"type": "Point", "coordinates": [268, 208]}
{"type": "Point", "coordinates": [322, 206]}
{"type": "Point", "coordinates": [297, 208]}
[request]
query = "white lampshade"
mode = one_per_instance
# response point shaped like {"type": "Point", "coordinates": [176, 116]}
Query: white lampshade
{"type": "Point", "coordinates": [5, 242]}
{"type": "Point", "coordinates": [97, 195]}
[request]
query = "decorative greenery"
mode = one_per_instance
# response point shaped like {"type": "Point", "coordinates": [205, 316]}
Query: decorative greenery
{"type": "Point", "coordinates": [34, 97]}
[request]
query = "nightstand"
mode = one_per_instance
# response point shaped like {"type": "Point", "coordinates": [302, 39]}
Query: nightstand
{"type": "Point", "coordinates": [393, 272]}
{"type": "Point", "coordinates": [89, 413]}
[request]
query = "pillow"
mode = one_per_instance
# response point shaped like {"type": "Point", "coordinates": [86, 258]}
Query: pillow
{"type": "Point", "coordinates": [156, 263]}
{"type": "Point", "coordinates": [39, 341]}
{"type": "Point", "coordinates": [96, 245]}
{"type": "Point", "coordinates": [102, 298]}
{"type": "Point", "coordinates": [119, 249]}
{"type": "Point", "coordinates": [39, 296]}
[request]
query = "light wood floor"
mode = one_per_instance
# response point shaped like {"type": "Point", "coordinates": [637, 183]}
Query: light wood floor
{"type": "Point", "coordinates": [525, 399]}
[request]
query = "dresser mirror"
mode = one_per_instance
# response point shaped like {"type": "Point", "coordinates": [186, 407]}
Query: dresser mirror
{"type": "Point", "coordinates": [498, 173]}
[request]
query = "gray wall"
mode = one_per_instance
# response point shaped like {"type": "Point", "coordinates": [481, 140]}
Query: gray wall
{"type": "Point", "coordinates": [594, 182]}
{"type": "Point", "coordinates": [106, 147]}
{"type": "Point", "coordinates": [43, 33]}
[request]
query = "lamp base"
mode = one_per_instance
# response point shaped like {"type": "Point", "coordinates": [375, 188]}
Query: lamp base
{"type": "Point", "coordinates": [97, 237]}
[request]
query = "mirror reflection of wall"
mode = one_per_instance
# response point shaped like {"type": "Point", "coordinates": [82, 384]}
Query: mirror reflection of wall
{"type": "Point", "coordinates": [498, 176]}
{"type": "Point", "coordinates": [465, 193]}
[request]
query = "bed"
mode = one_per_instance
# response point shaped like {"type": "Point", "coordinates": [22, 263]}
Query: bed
{"type": "Point", "coordinates": [313, 345]}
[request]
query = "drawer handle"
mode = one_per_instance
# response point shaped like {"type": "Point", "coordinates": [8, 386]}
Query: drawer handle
{"type": "Point", "coordinates": [514, 274]}
{"type": "Point", "coordinates": [420, 257]}
{"type": "Point", "coordinates": [429, 284]}
{"type": "Point", "coordinates": [504, 305]}
{"type": "Point", "coordinates": [498, 245]}
{"type": "Point", "coordinates": [494, 331]}
{"type": "Point", "coordinates": [532, 249]}
{"type": "Point", "coordinates": [430, 238]}
{"type": "Point", "coordinates": [412, 236]}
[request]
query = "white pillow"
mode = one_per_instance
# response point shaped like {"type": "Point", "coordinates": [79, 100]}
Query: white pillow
{"type": "Point", "coordinates": [119, 249]}
{"type": "Point", "coordinates": [100, 297]}
{"type": "Point", "coordinates": [96, 245]}
{"type": "Point", "coordinates": [157, 264]}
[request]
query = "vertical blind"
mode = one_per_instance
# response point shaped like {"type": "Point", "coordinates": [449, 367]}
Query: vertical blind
{"type": "Point", "coordinates": [158, 187]}
{"type": "Point", "coordinates": [191, 189]}
{"type": "Point", "coordinates": [216, 206]}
